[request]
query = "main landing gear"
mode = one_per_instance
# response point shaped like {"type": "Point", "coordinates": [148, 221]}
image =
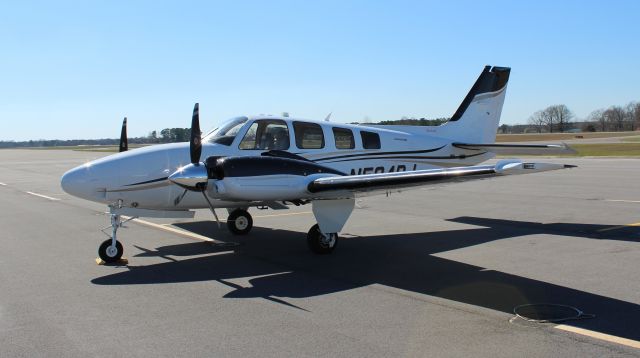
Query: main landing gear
{"type": "Point", "coordinates": [320, 243]}
{"type": "Point", "coordinates": [239, 222]}
{"type": "Point", "coordinates": [331, 216]}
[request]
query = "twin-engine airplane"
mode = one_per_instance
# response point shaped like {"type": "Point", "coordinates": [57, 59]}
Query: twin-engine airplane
{"type": "Point", "coordinates": [274, 162]}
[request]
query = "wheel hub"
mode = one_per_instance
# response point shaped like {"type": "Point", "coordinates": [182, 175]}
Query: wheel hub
{"type": "Point", "coordinates": [327, 240]}
{"type": "Point", "coordinates": [242, 223]}
{"type": "Point", "coordinates": [112, 251]}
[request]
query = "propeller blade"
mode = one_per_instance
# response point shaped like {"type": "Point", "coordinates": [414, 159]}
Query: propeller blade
{"type": "Point", "coordinates": [195, 145]}
{"type": "Point", "coordinates": [124, 144]}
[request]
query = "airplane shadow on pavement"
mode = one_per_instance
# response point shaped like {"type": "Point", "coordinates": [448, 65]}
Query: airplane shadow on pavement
{"type": "Point", "coordinates": [287, 269]}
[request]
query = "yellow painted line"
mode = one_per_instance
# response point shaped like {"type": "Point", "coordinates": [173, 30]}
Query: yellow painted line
{"type": "Point", "coordinates": [619, 227]}
{"type": "Point", "coordinates": [288, 214]}
{"type": "Point", "coordinates": [623, 201]}
{"type": "Point", "coordinates": [42, 196]}
{"type": "Point", "coordinates": [172, 230]}
{"type": "Point", "coordinates": [261, 216]}
{"type": "Point", "coordinates": [600, 336]}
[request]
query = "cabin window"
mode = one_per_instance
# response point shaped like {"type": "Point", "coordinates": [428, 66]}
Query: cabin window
{"type": "Point", "coordinates": [370, 140]}
{"type": "Point", "coordinates": [344, 138]}
{"type": "Point", "coordinates": [266, 134]}
{"type": "Point", "coordinates": [308, 135]}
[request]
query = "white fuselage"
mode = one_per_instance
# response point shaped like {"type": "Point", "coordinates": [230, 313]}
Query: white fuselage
{"type": "Point", "coordinates": [138, 178]}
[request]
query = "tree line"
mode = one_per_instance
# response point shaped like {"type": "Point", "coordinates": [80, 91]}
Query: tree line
{"type": "Point", "coordinates": [407, 121]}
{"type": "Point", "coordinates": [559, 118]}
{"type": "Point", "coordinates": [167, 135]}
{"type": "Point", "coordinates": [555, 118]}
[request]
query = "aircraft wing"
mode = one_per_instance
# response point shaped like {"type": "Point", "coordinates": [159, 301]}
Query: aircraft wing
{"type": "Point", "coordinates": [398, 180]}
{"type": "Point", "coordinates": [519, 149]}
{"type": "Point", "coordinates": [274, 179]}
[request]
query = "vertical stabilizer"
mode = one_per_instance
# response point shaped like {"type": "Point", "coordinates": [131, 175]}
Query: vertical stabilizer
{"type": "Point", "coordinates": [478, 117]}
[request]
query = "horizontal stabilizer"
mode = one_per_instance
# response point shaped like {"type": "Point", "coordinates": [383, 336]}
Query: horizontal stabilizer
{"type": "Point", "coordinates": [519, 149]}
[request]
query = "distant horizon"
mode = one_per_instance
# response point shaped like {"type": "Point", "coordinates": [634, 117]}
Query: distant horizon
{"type": "Point", "coordinates": [116, 137]}
{"type": "Point", "coordinates": [74, 70]}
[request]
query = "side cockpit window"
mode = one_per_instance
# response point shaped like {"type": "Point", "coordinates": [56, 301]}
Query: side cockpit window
{"type": "Point", "coordinates": [308, 135]}
{"type": "Point", "coordinates": [370, 140]}
{"type": "Point", "coordinates": [266, 134]}
{"type": "Point", "coordinates": [344, 138]}
{"type": "Point", "coordinates": [226, 133]}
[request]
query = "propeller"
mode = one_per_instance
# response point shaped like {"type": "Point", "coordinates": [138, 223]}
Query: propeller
{"type": "Point", "coordinates": [194, 176]}
{"type": "Point", "coordinates": [124, 145]}
{"type": "Point", "coordinates": [195, 144]}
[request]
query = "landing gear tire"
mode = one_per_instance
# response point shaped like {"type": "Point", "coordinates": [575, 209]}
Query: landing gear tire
{"type": "Point", "coordinates": [319, 243]}
{"type": "Point", "coordinates": [240, 222]}
{"type": "Point", "coordinates": [108, 253]}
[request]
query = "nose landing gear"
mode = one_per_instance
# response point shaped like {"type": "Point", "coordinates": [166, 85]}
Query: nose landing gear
{"type": "Point", "coordinates": [111, 250]}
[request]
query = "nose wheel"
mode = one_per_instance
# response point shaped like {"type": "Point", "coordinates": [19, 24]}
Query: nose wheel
{"type": "Point", "coordinates": [111, 250]}
{"type": "Point", "coordinates": [110, 253]}
{"type": "Point", "coordinates": [320, 243]}
{"type": "Point", "coordinates": [239, 222]}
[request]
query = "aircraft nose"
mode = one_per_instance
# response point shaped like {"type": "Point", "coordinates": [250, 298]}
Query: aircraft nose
{"type": "Point", "coordinates": [76, 182]}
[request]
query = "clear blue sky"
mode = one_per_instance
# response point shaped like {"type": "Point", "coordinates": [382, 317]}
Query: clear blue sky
{"type": "Point", "coordinates": [74, 69]}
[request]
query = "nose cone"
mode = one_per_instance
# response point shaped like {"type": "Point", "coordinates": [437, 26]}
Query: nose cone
{"type": "Point", "coordinates": [77, 182]}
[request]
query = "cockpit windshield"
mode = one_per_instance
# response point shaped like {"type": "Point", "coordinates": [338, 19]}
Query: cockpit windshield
{"type": "Point", "coordinates": [226, 133]}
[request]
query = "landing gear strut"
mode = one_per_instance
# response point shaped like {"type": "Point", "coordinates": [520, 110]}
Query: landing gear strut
{"type": "Point", "coordinates": [320, 243]}
{"type": "Point", "coordinates": [239, 222]}
{"type": "Point", "coordinates": [331, 215]}
{"type": "Point", "coordinates": [111, 249]}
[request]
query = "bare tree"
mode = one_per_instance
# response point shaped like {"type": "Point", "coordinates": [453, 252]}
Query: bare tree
{"type": "Point", "coordinates": [632, 115]}
{"type": "Point", "coordinates": [615, 116]}
{"type": "Point", "coordinates": [549, 120]}
{"type": "Point", "coordinates": [598, 117]}
{"type": "Point", "coordinates": [538, 120]}
{"type": "Point", "coordinates": [561, 115]}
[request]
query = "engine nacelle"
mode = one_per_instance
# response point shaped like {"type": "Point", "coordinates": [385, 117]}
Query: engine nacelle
{"type": "Point", "coordinates": [262, 178]}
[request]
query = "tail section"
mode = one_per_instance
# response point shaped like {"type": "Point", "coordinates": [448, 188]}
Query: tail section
{"type": "Point", "coordinates": [477, 118]}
